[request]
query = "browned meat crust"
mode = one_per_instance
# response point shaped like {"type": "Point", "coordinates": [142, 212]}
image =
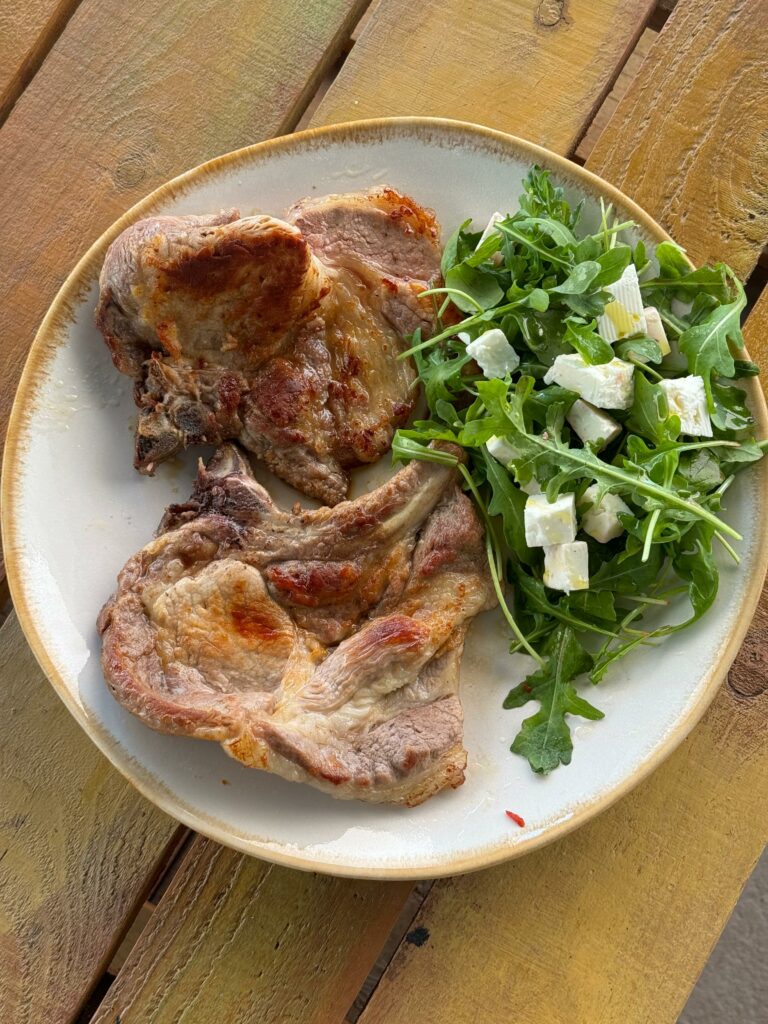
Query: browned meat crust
{"type": "Point", "coordinates": [321, 645]}
{"type": "Point", "coordinates": [284, 336]}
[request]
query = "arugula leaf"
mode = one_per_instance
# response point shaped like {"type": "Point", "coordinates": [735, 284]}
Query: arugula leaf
{"type": "Point", "coordinates": [706, 344]}
{"type": "Point", "coordinates": [695, 564]}
{"type": "Point", "coordinates": [612, 265]}
{"type": "Point", "coordinates": [584, 338]}
{"type": "Point", "coordinates": [639, 257]}
{"type": "Point", "coordinates": [480, 286]}
{"type": "Point", "coordinates": [746, 368]}
{"type": "Point", "coordinates": [644, 350]}
{"type": "Point", "coordinates": [579, 279]}
{"type": "Point", "coordinates": [545, 738]}
{"type": "Point", "coordinates": [628, 575]}
{"type": "Point", "coordinates": [405, 448]}
{"type": "Point", "coordinates": [701, 468]}
{"type": "Point", "coordinates": [542, 333]}
{"type": "Point", "coordinates": [508, 502]}
{"type": "Point", "coordinates": [553, 229]}
{"type": "Point", "coordinates": [731, 415]}
{"type": "Point", "coordinates": [649, 414]}
{"type": "Point", "coordinates": [451, 255]}
{"type": "Point", "coordinates": [441, 376]}
{"type": "Point", "coordinates": [673, 263]}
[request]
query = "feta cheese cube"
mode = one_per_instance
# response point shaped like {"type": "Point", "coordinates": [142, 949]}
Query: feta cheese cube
{"type": "Point", "coordinates": [549, 523]}
{"type": "Point", "coordinates": [593, 426]}
{"type": "Point", "coordinates": [490, 228]}
{"type": "Point", "coordinates": [566, 566]}
{"type": "Point", "coordinates": [502, 450]}
{"type": "Point", "coordinates": [601, 521]}
{"type": "Point", "coordinates": [687, 399]}
{"type": "Point", "coordinates": [493, 353]}
{"type": "Point", "coordinates": [654, 328]}
{"type": "Point", "coordinates": [608, 386]}
{"type": "Point", "coordinates": [624, 315]}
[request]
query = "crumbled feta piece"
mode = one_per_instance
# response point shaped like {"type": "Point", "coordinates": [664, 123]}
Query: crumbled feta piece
{"type": "Point", "coordinates": [601, 521]}
{"type": "Point", "coordinates": [687, 399]}
{"type": "Point", "coordinates": [608, 385]}
{"type": "Point", "coordinates": [493, 353]}
{"type": "Point", "coordinates": [623, 316]}
{"type": "Point", "coordinates": [490, 228]}
{"type": "Point", "coordinates": [593, 426]}
{"type": "Point", "coordinates": [502, 450]}
{"type": "Point", "coordinates": [566, 566]}
{"type": "Point", "coordinates": [549, 522]}
{"type": "Point", "coordinates": [654, 328]}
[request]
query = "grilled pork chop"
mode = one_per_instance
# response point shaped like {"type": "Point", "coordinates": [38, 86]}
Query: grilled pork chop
{"type": "Point", "coordinates": [323, 646]}
{"type": "Point", "coordinates": [282, 335]}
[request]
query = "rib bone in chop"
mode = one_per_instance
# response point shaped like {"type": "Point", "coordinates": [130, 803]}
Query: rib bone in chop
{"type": "Point", "coordinates": [321, 645]}
{"type": "Point", "coordinates": [284, 336]}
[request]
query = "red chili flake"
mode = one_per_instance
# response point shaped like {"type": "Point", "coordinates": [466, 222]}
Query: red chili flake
{"type": "Point", "coordinates": [516, 818]}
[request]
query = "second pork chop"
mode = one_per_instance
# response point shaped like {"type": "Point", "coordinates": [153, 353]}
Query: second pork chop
{"type": "Point", "coordinates": [320, 645]}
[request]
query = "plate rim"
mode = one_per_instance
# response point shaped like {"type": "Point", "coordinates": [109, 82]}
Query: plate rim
{"type": "Point", "coordinates": [153, 788]}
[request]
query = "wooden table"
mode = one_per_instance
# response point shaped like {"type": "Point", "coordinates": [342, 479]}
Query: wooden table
{"type": "Point", "coordinates": [100, 101]}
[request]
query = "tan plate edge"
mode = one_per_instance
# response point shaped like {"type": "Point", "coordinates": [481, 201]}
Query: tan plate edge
{"type": "Point", "coordinates": [150, 786]}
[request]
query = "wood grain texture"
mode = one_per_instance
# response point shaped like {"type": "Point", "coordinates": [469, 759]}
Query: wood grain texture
{"type": "Point", "coordinates": [538, 68]}
{"type": "Point", "coordinates": [27, 32]}
{"type": "Point", "coordinates": [689, 140]}
{"type": "Point", "coordinates": [79, 848]}
{"type": "Point", "coordinates": [131, 95]}
{"type": "Point", "coordinates": [238, 940]}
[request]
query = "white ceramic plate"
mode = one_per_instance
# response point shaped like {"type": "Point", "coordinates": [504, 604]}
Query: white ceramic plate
{"type": "Point", "coordinates": [74, 510]}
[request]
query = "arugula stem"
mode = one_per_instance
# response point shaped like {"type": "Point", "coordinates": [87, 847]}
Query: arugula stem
{"type": "Point", "coordinates": [544, 253]}
{"type": "Point", "coordinates": [643, 599]}
{"type": "Point", "coordinates": [671, 321]}
{"type": "Point", "coordinates": [644, 366]}
{"type": "Point", "coordinates": [728, 548]}
{"type": "Point", "coordinates": [503, 604]}
{"type": "Point", "coordinates": [452, 291]}
{"type": "Point", "coordinates": [652, 520]}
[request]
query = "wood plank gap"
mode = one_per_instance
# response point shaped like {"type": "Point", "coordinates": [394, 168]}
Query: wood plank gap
{"type": "Point", "coordinates": [334, 56]}
{"type": "Point", "coordinates": [31, 64]}
{"type": "Point", "coordinates": [660, 14]}
{"type": "Point", "coordinates": [175, 861]}
{"type": "Point", "coordinates": [756, 282]}
{"type": "Point", "coordinates": [400, 931]}
{"type": "Point", "coordinates": [623, 78]}
{"type": "Point", "coordinates": [111, 952]}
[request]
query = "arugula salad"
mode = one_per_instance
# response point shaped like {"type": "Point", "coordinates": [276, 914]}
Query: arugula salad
{"type": "Point", "coordinates": [595, 396]}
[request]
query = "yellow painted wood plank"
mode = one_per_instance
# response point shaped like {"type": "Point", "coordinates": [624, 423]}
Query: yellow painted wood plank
{"type": "Point", "coordinates": [27, 32]}
{"type": "Point", "coordinates": [130, 95]}
{"type": "Point", "coordinates": [536, 68]}
{"type": "Point", "coordinates": [79, 848]}
{"type": "Point", "coordinates": [689, 140]}
{"type": "Point", "coordinates": [238, 940]}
